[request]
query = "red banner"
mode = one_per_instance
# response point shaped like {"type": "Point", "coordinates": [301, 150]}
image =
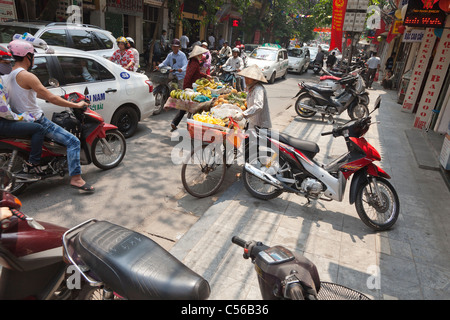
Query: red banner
{"type": "Point", "coordinates": [339, 7]}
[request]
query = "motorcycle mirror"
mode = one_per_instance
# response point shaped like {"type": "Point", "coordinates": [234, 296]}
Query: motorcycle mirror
{"type": "Point", "coordinates": [53, 82]}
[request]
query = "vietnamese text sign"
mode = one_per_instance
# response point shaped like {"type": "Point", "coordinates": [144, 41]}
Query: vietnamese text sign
{"type": "Point", "coordinates": [435, 80]}
{"type": "Point", "coordinates": [419, 71]}
{"type": "Point", "coordinates": [414, 36]}
{"type": "Point", "coordinates": [337, 24]}
{"type": "Point", "coordinates": [7, 10]}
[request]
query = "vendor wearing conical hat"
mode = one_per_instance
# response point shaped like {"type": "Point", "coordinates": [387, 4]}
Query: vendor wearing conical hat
{"type": "Point", "coordinates": [257, 111]}
{"type": "Point", "coordinates": [193, 73]}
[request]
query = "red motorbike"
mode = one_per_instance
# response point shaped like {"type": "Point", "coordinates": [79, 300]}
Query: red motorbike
{"type": "Point", "coordinates": [295, 171]}
{"type": "Point", "coordinates": [96, 260]}
{"type": "Point", "coordinates": [101, 143]}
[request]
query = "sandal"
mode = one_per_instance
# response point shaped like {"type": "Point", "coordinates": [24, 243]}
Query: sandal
{"type": "Point", "coordinates": [86, 187]}
{"type": "Point", "coordinates": [34, 169]}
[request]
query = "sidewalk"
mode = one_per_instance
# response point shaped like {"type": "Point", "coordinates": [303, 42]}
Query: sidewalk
{"type": "Point", "coordinates": [410, 261]}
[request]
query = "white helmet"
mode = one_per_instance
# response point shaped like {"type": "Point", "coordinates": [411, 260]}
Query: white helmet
{"type": "Point", "coordinates": [130, 39]}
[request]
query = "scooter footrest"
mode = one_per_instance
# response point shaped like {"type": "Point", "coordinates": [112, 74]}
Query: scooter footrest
{"type": "Point", "coordinates": [135, 266]}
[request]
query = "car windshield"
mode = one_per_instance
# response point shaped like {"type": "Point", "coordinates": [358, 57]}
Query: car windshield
{"type": "Point", "coordinates": [264, 54]}
{"type": "Point", "coordinates": [295, 53]}
{"type": "Point", "coordinates": [8, 31]}
{"type": "Point", "coordinates": [313, 52]}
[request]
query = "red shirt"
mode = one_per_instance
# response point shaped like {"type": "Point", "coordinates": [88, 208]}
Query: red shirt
{"type": "Point", "coordinates": [192, 73]}
{"type": "Point", "coordinates": [123, 58]}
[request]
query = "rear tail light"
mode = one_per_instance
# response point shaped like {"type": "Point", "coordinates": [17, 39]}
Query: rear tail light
{"type": "Point", "coordinates": [150, 86]}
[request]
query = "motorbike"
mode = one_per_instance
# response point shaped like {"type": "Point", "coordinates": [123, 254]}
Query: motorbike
{"type": "Point", "coordinates": [295, 171]}
{"type": "Point", "coordinates": [331, 80]}
{"type": "Point", "coordinates": [317, 67]}
{"type": "Point", "coordinates": [216, 65]}
{"type": "Point", "coordinates": [229, 77]}
{"type": "Point", "coordinates": [313, 99]}
{"type": "Point", "coordinates": [93, 260]}
{"type": "Point", "coordinates": [101, 144]}
{"type": "Point", "coordinates": [165, 82]}
{"type": "Point", "coordinates": [286, 275]}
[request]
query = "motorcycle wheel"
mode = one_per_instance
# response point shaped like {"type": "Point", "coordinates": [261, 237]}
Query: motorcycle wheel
{"type": "Point", "coordinates": [376, 215]}
{"type": "Point", "coordinates": [159, 97]}
{"type": "Point", "coordinates": [102, 156]}
{"type": "Point", "coordinates": [17, 167]}
{"type": "Point", "coordinates": [203, 172]}
{"type": "Point", "coordinates": [257, 187]}
{"type": "Point", "coordinates": [358, 112]}
{"type": "Point", "coordinates": [302, 112]}
{"type": "Point", "coordinates": [364, 99]}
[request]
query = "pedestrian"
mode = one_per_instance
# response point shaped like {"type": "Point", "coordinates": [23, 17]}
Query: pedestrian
{"type": "Point", "coordinates": [205, 62]}
{"type": "Point", "coordinates": [132, 47]}
{"type": "Point", "coordinates": [257, 112]}
{"type": "Point", "coordinates": [177, 61]}
{"type": "Point", "coordinates": [390, 62]}
{"type": "Point", "coordinates": [387, 82]}
{"type": "Point", "coordinates": [373, 64]}
{"type": "Point", "coordinates": [212, 41]}
{"type": "Point", "coordinates": [163, 40]}
{"type": "Point", "coordinates": [221, 41]}
{"type": "Point", "coordinates": [123, 56]}
{"type": "Point", "coordinates": [331, 60]}
{"type": "Point", "coordinates": [184, 43]}
{"type": "Point", "coordinates": [193, 73]}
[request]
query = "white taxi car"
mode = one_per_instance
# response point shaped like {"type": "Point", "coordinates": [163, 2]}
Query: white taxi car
{"type": "Point", "coordinates": [298, 59]}
{"type": "Point", "coordinates": [121, 97]}
{"type": "Point", "coordinates": [272, 59]}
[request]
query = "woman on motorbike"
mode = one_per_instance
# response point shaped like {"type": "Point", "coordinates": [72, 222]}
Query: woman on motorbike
{"type": "Point", "coordinates": [123, 56]}
{"type": "Point", "coordinates": [20, 125]}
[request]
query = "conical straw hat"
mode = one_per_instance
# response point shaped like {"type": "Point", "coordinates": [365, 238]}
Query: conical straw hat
{"type": "Point", "coordinates": [197, 51]}
{"type": "Point", "coordinates": [253, 72]}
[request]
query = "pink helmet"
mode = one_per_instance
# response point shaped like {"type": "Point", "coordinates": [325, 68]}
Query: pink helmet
{"type": "Point", "coordinates": [20, 48]}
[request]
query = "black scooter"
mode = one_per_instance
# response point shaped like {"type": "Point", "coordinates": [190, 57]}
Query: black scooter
{"type": "Point", "coordinates": [313, 99]}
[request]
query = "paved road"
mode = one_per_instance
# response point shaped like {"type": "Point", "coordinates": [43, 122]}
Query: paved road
{"type": "Point", "coordinates": [145, 192]}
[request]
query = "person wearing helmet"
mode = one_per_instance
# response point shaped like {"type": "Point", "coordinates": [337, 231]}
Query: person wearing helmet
{"type": "Point", "coordinates": [132, 47]}
{"type": "Point", "coordinates": [24, 88]}
{"type": "Point", "coordinates": [19, 125]}
{"type": "Point", "coordinates": [123, 56]}
{"type": "Point", "coordinates": [205, 62]}
{"type": "Point", "coordinates": [235, 61]}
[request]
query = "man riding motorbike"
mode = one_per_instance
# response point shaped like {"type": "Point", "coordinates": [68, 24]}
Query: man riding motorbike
{"type": "Point", "coordinates": [24, 88]}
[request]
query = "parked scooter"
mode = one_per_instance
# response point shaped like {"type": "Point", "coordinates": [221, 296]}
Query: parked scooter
{"type": "Point", "coordinates": [216, 65]}
{"type": "Point", "coordinates": [317, 67]}
{"type": "Point", "coordinates": [286, 275]}
{"type": "Point", "coordinates": [101, 144]}
{"type": "Point", "coordinates": [165, 82]}
{"type": "Point", "coordinates": [330, 80]}
{"type": "Point", "coordinates": [94, 260]}
{"type": "Point", "coordinates": [375, 198]}
{"type": "Point", "coordinates": [313, 99]}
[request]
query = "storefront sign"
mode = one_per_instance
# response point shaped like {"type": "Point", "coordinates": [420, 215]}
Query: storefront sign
{"type": "Point", "coordinates": [424, 13]}
{"type": "Point", "coordinates": [7, 10]}
{"type": "Point", "coordinates": [419, 71]}
{"type": "Point", "coordinates": [397, 23]}
{"type": "Point", "coordinates": [128, 7]}
{"type": "Point", "coordinates": [337, 23]}
{"type": "Point", "coordinates": [414, 36]}
{"type": "Point", "coordinates": [435, 80]}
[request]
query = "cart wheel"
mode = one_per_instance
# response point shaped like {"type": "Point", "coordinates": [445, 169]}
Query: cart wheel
{"type": "Point", "coordinates": [203, 172]}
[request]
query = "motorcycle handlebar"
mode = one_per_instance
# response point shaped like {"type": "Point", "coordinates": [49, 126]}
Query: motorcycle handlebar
{"type": "Point", "coordinates": [326, 133]}
{"type": "Point", "coordinates": [239, 241]}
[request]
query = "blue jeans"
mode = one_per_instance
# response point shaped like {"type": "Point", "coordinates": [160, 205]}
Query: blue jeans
{"type": "Point", "coordinates": [60, 135]}
{"type": "Point", "coordinates": [24, 129]}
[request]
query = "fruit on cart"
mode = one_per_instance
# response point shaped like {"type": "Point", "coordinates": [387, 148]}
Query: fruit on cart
{"type": "Point", "coordinates": [206, 117]}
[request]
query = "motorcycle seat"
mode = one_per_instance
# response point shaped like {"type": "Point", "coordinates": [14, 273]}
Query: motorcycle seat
{"type": "Point", "coordinates": [326, 91]}
{"type": "Point", "coordinates": [135, 266]}
{"type": "Point", "coordinates": [309, 148]}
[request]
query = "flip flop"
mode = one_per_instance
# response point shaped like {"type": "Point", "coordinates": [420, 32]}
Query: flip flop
{"type": "Point", "coordinates": [86, 187]}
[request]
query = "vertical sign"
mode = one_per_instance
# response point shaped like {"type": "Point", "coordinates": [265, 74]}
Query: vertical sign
{"type": "Point", "coordinates": [420, 68]}
{"type": "Point", "coordinates": [7, 10]}
{"type": "Point", "coordinates": [435, 80]}
{"type": "Point", "coordinates": [337, 23]}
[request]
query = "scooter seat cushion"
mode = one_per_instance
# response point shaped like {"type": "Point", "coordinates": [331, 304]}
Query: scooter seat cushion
{"type": "Point", "coordinates": [135, 266]}
{"type": "Point", "coordinates": [309, 148]}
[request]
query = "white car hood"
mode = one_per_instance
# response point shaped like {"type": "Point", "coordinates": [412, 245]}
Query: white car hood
{"type": "Point", "coordinates": [294, 60]}
{"type": "Point", "coordinates": [260, 63]}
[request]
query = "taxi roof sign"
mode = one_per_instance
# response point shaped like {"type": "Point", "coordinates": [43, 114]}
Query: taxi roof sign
{"type": "Point", "coordinates": [271, 45]}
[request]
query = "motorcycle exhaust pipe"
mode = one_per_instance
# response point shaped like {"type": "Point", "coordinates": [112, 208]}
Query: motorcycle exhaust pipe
{"type": "Point", "coordinates": [305, 106]}
{"type": "Point", "coordinates": [263, 176]}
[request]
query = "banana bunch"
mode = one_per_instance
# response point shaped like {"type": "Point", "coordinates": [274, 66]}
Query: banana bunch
{"type": "Point", "coordinates": [204, 91]}
{"type": "Point", "coordinates": [205, 83]}
{"type": "Point", "coordinates": [207, 118]}
{"type": "Point", "coordinates": [186, 95]}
